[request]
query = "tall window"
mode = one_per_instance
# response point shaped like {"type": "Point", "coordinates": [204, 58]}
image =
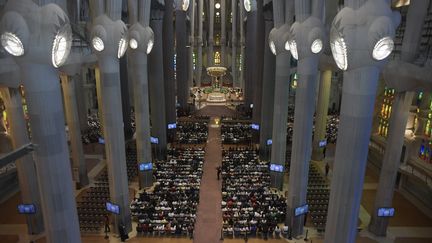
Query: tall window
{"type": "Point", "coordinates": [386, 111]}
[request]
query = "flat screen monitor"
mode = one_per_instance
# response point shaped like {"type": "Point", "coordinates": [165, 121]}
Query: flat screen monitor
{"type": "Point", "coordinates": [172, 126]}
{"type": "Point", "coordinates": [301, 210]}
{"type": "Point", "coordinates": [26, 209]}
{"type": "Point", "coordinates": [322, 143]}
{"type": "Point", "coordinates": [145, 166]}
{"type": "Point", "coordinates": [269, 142]}
{"type": "Point", "coordinates": [386, 212]}
{"type": "Point", "coordinates": [112, 208]}
{"type": "Point", "coordinates": [101, 140]}
{"type": "Point", "coordinates": [154, 140]}
{"type": "Point", "coordinates": [255, 126]}
{"type": "Point", "coordinates": [276, 168]}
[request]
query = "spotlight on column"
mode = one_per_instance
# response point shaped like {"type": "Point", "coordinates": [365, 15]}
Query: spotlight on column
{"type": "Point", "coordinates": [287, 46]}
{"type": "Point", "coordinates": [141, 38]}
{"type": "Point", "coordinates": [12, 44]}
{"type": "Point", "coordinates": [123, 43]}
{"type": "Point", "coordinates": [217, 6]}
{"type": "Point", "coordinates": [150, 46]}
{"type": "Point", "coordinates": [293, 49]}
{"type": "Point", "coordinates": [317, 46]}
{"type": "Point", "coordinates": [250, 5]}
{"type": "Point", "coordinates": [98, 44]}
{"type": "Point", "coordinates": [182, 4]}
{"type": "Point", "coordinates": [339, 49]}
{"type": "Point", "coordinates": [133, 43]}
{"type": "Point", "coordinates": [383, 48]}
{"type": "Point", "coordinates": [278, 39]}
{"type": "Point", "coordinates": [61, 46]}
{"type": "Point", "coordinates": [272, 47]}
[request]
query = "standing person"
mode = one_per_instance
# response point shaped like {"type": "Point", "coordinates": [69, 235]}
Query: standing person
{"type": "Point", "coordinates": [107, 224]}
{"type": "Point", "coordinates": [327, 169]}
{"type": "Point", "coordinates": [219, 170]}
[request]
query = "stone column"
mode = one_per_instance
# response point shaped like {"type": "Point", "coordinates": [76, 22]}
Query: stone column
{"type": "Point", "coordinates": [399, 117]}
{"type": "Point", "coordinates": [242, 47]}
{"type": "Point", "coordinates": [358, 97]}
{"type": "Point", "coordinates": [110, 91]}
{"type": "Point", "coordinates": [138, 64]}
{"type": "Point", "coordinates": [156, 86]}
{"type": "Point", "coordinates": [210, 56]}
{"type": "Point", "coordinates": [258, 63]}
{"type": "Point", "coordinates": [79, 168]}
{"type": "Point", "coordinates": [234, 44]}
{"type": "Point", "coordinates": [282, 84]}
{"type": "Point", "coordinates": [168, 62]}
{"type": "Point", "coordinates": [26, 170]}
{"type": "Point", "coordinates": [47, 123]}
{"type": "Point", "coordinates": [250, 58]}
{"type": "Point", "coordinates": [268, 91]}
{"type": "Point", "coordinates": [191, 44]}
{"type": "Point", "coordinates": [199, 65]}
{"type": "Point", "coordinates": [307, 70]}
{"type": "Point", "coordinates": [321, 114]}
{"type": "Point", "coordinates": [182, 62]}
{"type": "Point", "coordinates": [81, 100]}
{"type": "Point", "coordinates": [391, 160]}
{"type": "Point", "coordinates": [223, 33]}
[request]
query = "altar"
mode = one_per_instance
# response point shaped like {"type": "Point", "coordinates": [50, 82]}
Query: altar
{"type": "Point", "coordinates": [216, 96]}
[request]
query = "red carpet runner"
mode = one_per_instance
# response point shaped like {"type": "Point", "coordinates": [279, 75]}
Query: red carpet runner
{"type": "Point", "coordinates": [209, 216]}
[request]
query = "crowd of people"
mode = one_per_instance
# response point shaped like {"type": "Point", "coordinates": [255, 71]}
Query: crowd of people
{"type": "Point", "coordinates": [169, 208]}
{"type": "Point", "coordinates": [192, 132]}
{"type": "Point", "coordinates": [249, 205]}
{"type": "Point", "coordinates": [332, 128]}
{"type": "Point", "coordinates": [236, 133]}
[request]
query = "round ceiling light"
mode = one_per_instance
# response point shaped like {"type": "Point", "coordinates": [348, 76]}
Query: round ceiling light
{"type": "Point", "coordinates": [12, 44]}
{"type": "Point", "coordinates": [61, 47]}
{"type": "Point", "coordinates": [293, 49]}
{"type": "Point", "coordinates": [247, 5]}
{"type": "Point", "coordinates": [185, 5]}
{"type": "Point", "coordinates": [272, 47]}
{"type": "Point", "coordinates": [287, 47]}
{"type": "Point", "coordinates": [383, 48]}
{"type": "Point", "coordinates": [150, 46]}
{"type": "Point", "coordinates": [98, 44]}
{"type": "Point", "coordinates": [339, 50]}
{"type": "Point", "coordinates": [122, 47]}
{"type": "Point", "coordinates": [133, 43]}
{"type": "Point", "coordinates": [316, 46]}
{"type": "Point", "coordinates": [217, 6]}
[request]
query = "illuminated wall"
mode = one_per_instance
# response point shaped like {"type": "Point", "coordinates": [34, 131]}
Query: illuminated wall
{"type": "Point", "coordinates": [384, 116]}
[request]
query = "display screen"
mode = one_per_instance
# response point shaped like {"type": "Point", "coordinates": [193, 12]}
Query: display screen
{"type": "Point", "coordinates": [276, 167]}
{"type": "Point", "coordinates": [26, 209]}
{"type": "Point", "coordinates": [386, 212]}
{"type": "Point", "coordinates": [301, 210]}
{"type": "Point", "coordinates": [255, 126]}
{"type": "Point", "coordinates": [101, 140]}
{"type": "Point", "coordinates": [322, 143]}
{"type": "Point", "coordinates": [154, 140]}
{"type": "Point", "coordinates": [172, 126]}
{"type": "Point", "coordinates": [269, 142]}
{"type": "Point", "coordinates": [145, 166]}
{"type": "Point", "coordinates": [112, 208]}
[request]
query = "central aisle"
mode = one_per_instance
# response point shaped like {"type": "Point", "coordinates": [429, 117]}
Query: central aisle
{"type": "Point", "coordinates": [209, 215]}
